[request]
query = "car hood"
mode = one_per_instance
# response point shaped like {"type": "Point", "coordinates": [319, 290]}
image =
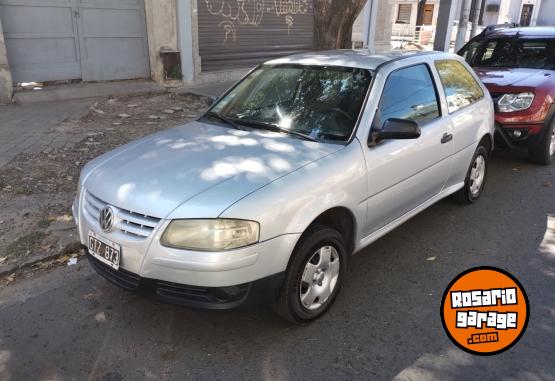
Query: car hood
{"type": "Point", "coordinates": [158, 173]}
{"type": "Point", "coordinates": [517, 77]}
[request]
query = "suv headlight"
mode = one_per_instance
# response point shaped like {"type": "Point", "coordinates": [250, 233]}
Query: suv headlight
{"type": "Point", "coordinates": [515, 102]}
{"type": "Point", "coordinates": [210, 234]}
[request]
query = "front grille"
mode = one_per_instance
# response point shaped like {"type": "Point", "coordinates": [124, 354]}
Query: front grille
{"type": "Point", "coordinates": [205, 295]}
{"type": "Point", "coordinates": [132, 223]}
{"type": "Point", "coordinates": [179, 291]}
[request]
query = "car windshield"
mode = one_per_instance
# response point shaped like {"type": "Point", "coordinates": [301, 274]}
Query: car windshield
{"type": "Point", "coordinates": [512, 52]}
{"type": "Point", "coordinates": [320, 103]}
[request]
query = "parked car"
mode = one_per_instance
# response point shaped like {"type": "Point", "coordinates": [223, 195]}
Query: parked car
{"type": "Point", "coordinates": [305, 161]}
{"type": "Point", "coordinates": [517, 65]}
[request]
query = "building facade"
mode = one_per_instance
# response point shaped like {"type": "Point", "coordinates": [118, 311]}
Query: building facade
{"type": "Point", "coordinates": [169, 41]}
{"type": "Point", "coordinates": [221, 39]}
{"type": "Point", "coordinates": [89, 40]}
{"type": "Point", "coordinates": [192, 42]}
{"type": "Point", "coordinates": [522, 12]}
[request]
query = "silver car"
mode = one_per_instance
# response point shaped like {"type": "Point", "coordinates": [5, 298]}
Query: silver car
{"type": "Point", "coordinates": [305, 161]}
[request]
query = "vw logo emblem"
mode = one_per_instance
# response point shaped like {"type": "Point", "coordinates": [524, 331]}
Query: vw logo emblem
{"type": "Point", "coordinates": [106, 218]}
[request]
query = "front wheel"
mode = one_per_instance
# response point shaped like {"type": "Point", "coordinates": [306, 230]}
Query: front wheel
{"type": "Point", "coordinates": [543, 152]}
{"type": "Point", "coordinates": [314, 275]}
{"type": "Point", "coordinates": [475, 177]}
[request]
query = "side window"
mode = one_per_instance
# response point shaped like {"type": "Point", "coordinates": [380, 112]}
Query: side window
{"type": "Point", "coordinates": [461, 89]}
{"type": "Point", "coordinates": [468, 51]}
{"type": "Point", "coordinates": [409, 93]}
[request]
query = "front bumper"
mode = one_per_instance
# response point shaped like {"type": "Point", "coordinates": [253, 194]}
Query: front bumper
{"type": "Point", "coordinates": [522, 129]}
{"type": "Point", "coordinates": [260, 292]}
{"type": "Point", "coordinates": [147, 265]}
{"type": "Point", "coordinates": [521, 135]}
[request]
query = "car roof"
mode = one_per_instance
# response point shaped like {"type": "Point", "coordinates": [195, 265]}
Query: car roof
{"type": "Point", "coordinates": [360, 58]}
{"type": "Point", "coordinates": [533, 31]}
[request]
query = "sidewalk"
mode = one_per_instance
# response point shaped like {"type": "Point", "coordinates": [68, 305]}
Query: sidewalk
{"type": "Point", "coordinates": [42, 150]}
{"type": "Point", "coordinates": [29, 128]}
{"type": "Point", "coordinates": [211, 90]}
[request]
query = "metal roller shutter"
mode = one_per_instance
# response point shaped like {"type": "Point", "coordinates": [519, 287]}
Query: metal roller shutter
{"type": "Point", "coordinates": [241, 34]}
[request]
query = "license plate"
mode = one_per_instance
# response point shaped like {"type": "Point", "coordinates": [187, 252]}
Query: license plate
{"type": "Point", "coordinates": [104, 250]}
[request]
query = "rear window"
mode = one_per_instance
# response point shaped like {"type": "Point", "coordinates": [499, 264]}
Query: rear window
{"type": "Point", "coordinates": [461, 89]}
{"type": "Point", "coordinates": [513, 52]}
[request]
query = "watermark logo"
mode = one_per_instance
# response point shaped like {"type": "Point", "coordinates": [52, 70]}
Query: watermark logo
{"type": "Point", "coordinates": [485, 310]}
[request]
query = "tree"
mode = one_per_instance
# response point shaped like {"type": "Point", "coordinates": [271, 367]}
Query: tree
{"type": "Point", "coordinates": [333, 22]}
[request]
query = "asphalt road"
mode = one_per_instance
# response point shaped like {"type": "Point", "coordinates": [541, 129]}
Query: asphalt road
{"type": "Point", "coordinates": [71, 324]}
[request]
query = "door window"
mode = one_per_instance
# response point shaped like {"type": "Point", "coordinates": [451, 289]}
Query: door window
{"type": "Point", "coordinates": [461, 89]}
{"type": "Point", "coordinates": [409, 93]}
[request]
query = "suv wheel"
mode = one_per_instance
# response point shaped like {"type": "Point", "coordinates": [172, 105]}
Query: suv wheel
{"type": "Point", "coordinates": [314, 275]}
{"type": "Point", "coordinates": [475, 177]}
{"type": "Point", "coordinates": [543, 152]}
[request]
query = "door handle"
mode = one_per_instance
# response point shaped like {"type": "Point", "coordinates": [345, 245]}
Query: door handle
{"type": "Point", "coordinates": [77, 14]}
{"type": "Point", "coordinates": [446, 138]}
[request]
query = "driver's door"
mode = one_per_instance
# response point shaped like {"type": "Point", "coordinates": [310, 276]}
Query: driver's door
{"type": "Point", "coordinates": [403, 174]}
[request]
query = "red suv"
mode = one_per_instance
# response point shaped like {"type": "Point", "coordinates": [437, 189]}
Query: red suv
{"type": "Point", "coordinates": [517, 65]}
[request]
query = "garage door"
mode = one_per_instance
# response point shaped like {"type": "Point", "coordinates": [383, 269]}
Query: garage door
{"type": "Point", "coordinates": [239, 34]}
{"type": "Point", "coordinates": [93, 40]}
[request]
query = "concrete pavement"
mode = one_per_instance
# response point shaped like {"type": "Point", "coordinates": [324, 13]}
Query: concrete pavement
{"type": "Point", "coordinates": [71, 324]}
{"type": "Point", "coordinates": [68, 92]}
{"type": "Point", "coordinates": [29, 128]}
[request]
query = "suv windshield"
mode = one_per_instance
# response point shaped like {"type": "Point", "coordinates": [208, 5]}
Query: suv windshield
{"type": "Point", "coordinates": [314, 102]}
{"type": "Point", "coordinates": [511, 52]}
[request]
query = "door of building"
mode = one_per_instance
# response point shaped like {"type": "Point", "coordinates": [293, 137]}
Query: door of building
{"type": "Point", "coordinates": [427, 17]}
{"type": "Point", "coordinates": [526, 14]}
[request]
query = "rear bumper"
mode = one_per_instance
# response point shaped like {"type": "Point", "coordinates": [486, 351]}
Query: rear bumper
{"type": "Point", "coordinates": [259, 292]}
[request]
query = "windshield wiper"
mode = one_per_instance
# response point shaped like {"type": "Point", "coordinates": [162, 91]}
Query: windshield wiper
{"type": "Point", "coordinates": [276, 128]}
{"type": "Point", "coordinates": [225, 119]}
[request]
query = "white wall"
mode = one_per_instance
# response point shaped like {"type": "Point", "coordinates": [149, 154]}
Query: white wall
{"type": "Point", "coordinates": [510, 11]}
{"type": "Point", "coordinates": [546, 16]}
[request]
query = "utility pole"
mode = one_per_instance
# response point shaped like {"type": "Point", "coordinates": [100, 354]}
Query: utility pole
{"type": "Point", "coordinates": [445, 17]}
{"type": "Point", "coordinates": [475, 16]}
{"type": "Point", "coordinates": [463, 22]}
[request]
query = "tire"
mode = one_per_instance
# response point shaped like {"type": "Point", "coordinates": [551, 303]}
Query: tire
{"type": "Point", "coordinates": [315, 241]}
{"type": "Point", "coordinates": [471, 191]}
{"type": "Point", "coordinates": [543, 152]}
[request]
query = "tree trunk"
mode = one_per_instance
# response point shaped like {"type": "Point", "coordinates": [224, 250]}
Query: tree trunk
{"type": "Point", "coordinates": [420, 12]}
{"type": "Point", "coordinates": [333, 22]}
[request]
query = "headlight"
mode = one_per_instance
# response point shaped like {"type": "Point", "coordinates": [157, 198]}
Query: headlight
{"type": "Point", "coordinates": [515, 102]}
{"type": "Point", "coordinates": [210, 235]}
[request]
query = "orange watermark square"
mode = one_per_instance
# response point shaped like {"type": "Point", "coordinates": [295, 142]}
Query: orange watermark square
{"type": "Point", "coordinates": [485, 310]}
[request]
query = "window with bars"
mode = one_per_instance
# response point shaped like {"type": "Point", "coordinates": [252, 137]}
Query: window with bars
{"type": "Point", "coordinates": [403, 15]}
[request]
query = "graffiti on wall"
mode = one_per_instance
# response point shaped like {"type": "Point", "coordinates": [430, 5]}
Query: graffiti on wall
{"type": "Point", "coordinates": [251, 13]}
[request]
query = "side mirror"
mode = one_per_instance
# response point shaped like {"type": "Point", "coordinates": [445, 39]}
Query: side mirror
{"type": "Point", "coordinates": [395, 129]}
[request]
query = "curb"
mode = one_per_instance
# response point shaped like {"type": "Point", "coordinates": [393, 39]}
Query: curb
{"type": "Point", "coordinates": [70, 248]}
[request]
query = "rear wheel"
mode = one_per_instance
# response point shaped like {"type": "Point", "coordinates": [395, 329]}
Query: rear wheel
{"type": "Point", "coordinates": [314, 276]}
{"type": "Point", "coordinates": [543, 152]}
{"type": "Point", "coordinates": [475, 177]}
